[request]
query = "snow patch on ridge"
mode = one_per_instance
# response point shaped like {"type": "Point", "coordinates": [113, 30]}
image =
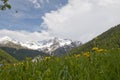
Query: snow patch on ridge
{"type": "Point", "coordinates": [38, 44]}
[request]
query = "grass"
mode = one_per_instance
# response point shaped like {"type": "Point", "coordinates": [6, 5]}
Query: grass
{"type": "Point", "coordinates": [98, 64]}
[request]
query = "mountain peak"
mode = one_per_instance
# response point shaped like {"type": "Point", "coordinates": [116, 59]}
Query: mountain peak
{"type": "Point", "coordinates": [47, 46]}
{"type": "Point", "coordinates": [6, 38]}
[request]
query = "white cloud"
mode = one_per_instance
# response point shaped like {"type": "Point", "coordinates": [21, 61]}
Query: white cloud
{"type": "Point", "coordinates": [83, 19]}
{"type": "Point", "coordinates": [78, 20]}
{"type": "Point", "coordinates": [24, 35]}
{"type": "Point", "coordinates": [37, 3]}
{"type": "Point", "coordinates": [109, 2]}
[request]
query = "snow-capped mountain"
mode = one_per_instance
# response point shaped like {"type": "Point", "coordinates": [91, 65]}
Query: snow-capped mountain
{"type": "Point", "coordinates": [9, 42]}
{"type": "Point", "coordinates": [6, 40]}
{"type": "Point", "coordinates": [48, 46]}
{"type": "Point", "coordinates": [46, 43]}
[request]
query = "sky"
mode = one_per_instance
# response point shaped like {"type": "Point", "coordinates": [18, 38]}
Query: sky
{"type": "Point", "coordinates": [34, 20]}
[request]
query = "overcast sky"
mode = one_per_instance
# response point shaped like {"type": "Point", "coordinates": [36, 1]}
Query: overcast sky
{"type": "Point", "coordinates": [73, 19]}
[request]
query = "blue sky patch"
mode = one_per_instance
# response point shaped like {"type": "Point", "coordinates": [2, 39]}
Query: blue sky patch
{"type": "Point", "coordinates": [25, 16]}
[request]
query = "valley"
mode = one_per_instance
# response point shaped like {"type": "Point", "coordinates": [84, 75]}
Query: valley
{"type": "Point", "coordinates": [97, 59]}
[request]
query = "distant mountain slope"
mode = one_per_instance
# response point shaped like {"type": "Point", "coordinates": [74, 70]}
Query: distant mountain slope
{"type": "Point", "coordinates": [6, 58]}
{"type": "Point", "coordinates": [107, 40]}
{"type": "Point", "coordinates": [54, 46]}
{"type": "Point", "coordinates": [21, 54]}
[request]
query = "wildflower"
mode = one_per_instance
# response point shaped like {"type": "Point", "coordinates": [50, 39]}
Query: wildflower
{"type": "Point", "coordinates": [100, 50]}
{"type": "Point", "coordinates": [94, 49]}
{"type": "Point", "coordinates": [14, 65]}
{"type": "Point", "coordinates": [76, 55]}
{"type": "Point", "coordinates": [86, 54]}
{"type": "Point", "coordinates": [46, 58]}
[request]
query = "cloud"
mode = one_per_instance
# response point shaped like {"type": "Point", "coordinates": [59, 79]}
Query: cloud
{"type": "Point", "coordinates": [38, 3]}
{"type": "Point", "coordinates": [78, 20]}
{"type": "Point", "coordinates": [109, 2]}
{"type": "Point", "coordinates": [83, 19]}
{"type": "Point", "coordinates": [24, 35]}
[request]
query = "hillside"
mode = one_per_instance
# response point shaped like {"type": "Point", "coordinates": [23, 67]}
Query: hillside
{"type": "Point", "coordinates": [107, 40]}
{"type": "Point", "coordinates": [21, 54]}
{"type": "Point", "coordinates": [6, 58]}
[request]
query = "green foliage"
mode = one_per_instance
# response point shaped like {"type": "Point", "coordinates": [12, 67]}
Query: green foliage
{"type": "Point", "coordinates": [6, 58]}
{"type": "Point", "coordinates": [99, 66]}
{"type": "Point", "coordinates": [4, 5]}
{"type": "Point", "coordinates": [21, 54]}
{"type": "Point", "coordinates": [107, 40]}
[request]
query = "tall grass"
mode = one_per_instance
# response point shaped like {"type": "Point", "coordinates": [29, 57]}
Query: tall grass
{"type": "Point", "coordinates": [96, 66]}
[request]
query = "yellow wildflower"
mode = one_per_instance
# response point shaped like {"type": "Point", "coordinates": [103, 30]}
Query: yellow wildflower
{"type": "Point", "coordinates": [94, 49]}
{"type": "Point", "coordinates": [86, 54]}
{"type": "Point", "coordinates": [100, 50]}
{"type": "Point", "coordinates": [76, 55]}
{"type": "Point", "coordinates": [14, 65]}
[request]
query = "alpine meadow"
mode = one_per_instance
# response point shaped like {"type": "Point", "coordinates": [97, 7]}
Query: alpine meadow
{"type": "Point", "coordinates": [59, 40]}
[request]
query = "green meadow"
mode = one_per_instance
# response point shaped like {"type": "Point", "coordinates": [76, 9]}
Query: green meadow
{"type": "Point", "coordinates": [98, 64]}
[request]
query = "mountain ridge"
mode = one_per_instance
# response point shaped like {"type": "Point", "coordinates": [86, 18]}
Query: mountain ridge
{"type": "Point", "coordinates": [108, 40]}
{"type": "Point", "coordinates": [47, 46]}
{"type": "Point", "coordinates": [50, 47]}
